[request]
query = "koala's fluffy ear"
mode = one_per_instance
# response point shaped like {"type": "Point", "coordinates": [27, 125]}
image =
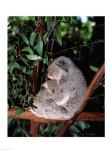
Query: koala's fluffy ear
{"type": "Point", "coordinates": [64, 65]}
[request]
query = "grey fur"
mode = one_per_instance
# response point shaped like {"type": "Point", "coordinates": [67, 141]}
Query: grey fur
{"type": "Point", "coordinates": [69, 90]}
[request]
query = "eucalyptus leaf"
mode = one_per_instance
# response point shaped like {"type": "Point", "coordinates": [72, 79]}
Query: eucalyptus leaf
{"type": "Point", "coordinates": [60, 126]}
{"type": "Point", "coordinates": [53, 129]}
{"type": "Point", "coordinates": [82, 125]}
{"type": "Point", "coordinates": [49, 22]}
{"type": "Point", "coordinates": [58, 36]}
{"type": "Point", "coordinates": [24, 70]}
{"type": "Point", "coordinates": [32, 38]}
{"type": "Point", "coordinates": [25, 18]}
{"type": "Point", "coordinates": [10, 122]}
{"type": "Point", "coordinates": [45, 37]}
{"type": "Point", "coordinates": [74, 129]}
{"type": "Point", "coordinates": [29, 72]}
{"type": "Point", "coordinates": [45, 60]}
{"type": "Point", "coordinates": [41, 128]}
{"type": "Point", "coordinates": [25, 39]}
{"type": "Point", "coordinates": [49, 128]}
{"type": "Point", "coordinates": [19, 111]}
{"type": "Point", "coordinates": [29, 50]}
{"type": "Point", "coordinates": [39, 47]}
{"type": "Point", "coordinates": [24, 60]}
{"type": "Point", "coordinates": [13, 66]}
{"type": "Point", "coordinates": [34, 57]}
{"type": "Point", "coordinates": [16, 131]}
{"type": "Point", "coordinates": [11, 47]}
{"type": "Point", "coordinates": [25, 132]}
{"type": "Point", "coordinates": [93, 68]}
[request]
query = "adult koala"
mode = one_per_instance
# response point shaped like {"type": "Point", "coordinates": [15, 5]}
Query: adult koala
{"type": "Point", "coordinates": [69, 91]}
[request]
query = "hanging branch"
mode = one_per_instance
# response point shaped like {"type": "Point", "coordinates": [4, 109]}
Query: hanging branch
{"type": "Point", "coordinates": [34, 126]}
{"type": "Point", "coordinates": [98, 76]}
{"type": "Point", "coordinates": [35, 78]}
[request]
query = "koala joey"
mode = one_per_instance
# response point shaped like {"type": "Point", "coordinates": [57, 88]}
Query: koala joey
{"type": "Point", "coordinates": [63, 94]}
{"type": "Point", "coordinates": [60, 95]}
{"type": "Point", "coordinates": [50, 85]}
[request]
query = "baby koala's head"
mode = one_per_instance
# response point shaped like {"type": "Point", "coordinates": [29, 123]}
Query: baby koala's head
{"type": "Point", "coordinates": [50, 85]}
{"type": "Point", "coordinates": [57, 69]}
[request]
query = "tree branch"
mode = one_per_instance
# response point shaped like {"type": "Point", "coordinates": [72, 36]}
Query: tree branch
{"type": "Point", "coordinates": [27, 115]}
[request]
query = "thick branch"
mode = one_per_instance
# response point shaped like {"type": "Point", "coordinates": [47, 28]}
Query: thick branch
{"type": "Point", "coordinates": [87, 116]}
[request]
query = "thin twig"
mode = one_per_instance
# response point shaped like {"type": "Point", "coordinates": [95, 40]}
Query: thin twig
{"type": "Point", "coordinates": [78, 47]}
{"type": "Point", "coordinates": [96, 96]}
{"type": "Point", "coordinates": [100, 25]}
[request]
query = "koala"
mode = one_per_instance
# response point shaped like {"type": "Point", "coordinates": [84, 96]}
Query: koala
{"type": "Point", "coordinates": [68, 76]}
{"type": "Point", "coordinates": [63, 93]}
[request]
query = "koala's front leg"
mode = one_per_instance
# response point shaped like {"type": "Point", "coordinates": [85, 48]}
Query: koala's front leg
{"type": "Point", "coordinates": [64, 100]}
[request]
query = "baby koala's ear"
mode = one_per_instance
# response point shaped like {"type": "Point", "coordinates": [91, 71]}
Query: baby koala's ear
{"type": "Point", "coordinates": [44, 85]}
{"type": "Point", "coordinates": [63, 65]}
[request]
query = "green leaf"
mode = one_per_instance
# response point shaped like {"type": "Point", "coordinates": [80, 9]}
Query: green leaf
{"type": "Point", "coordinates": [45, 37]}
{"type": "Point", "coordinates": [49, 22]}
{"type": "Point", "coordinates": [11, 47]}
{"type": "Point", "coordinates": [74, 129]}
{"type": "Point", "coordinates": [49, 128]}
{"type": "Point", "coordinates": [41, 128]}
{"type": "Point", "coordinates": [19, 111]}
{"type": "Point", "coordinates": [24, 70]}
{"type": "Point", "coordinates": [10, 122]}
{"type": "Point", "coordinates": [13, 66]}
{"type": "Point", "coordinates": [16, 131]}
{"type": "Point", "coordinates": [25, 132]}
{"type": "Point", "coordinates": [29, 72]}
{"type": "Point", "coordinates": [45, 60]}
{"type": "Point", "coordinates": [29, 50]}
{"type": "Point", "coordinates": [32, 38]}
{"type": "Point", "coordinates": [93, 68]}
{"type": "Point", "coordinates": [58, 36]}
{"type": "Point", "coordinates": [25, 18]}
{"type": "Point", "coordinates": [24, 60]}
{"type": "Point", "coordinates": [39, 47]}
{"type": "Point", "coordinates": [34, 57]}
{"type": "Point", "coordinates": [82, 125]}
{"type": "Point", "coordinates": [25, 39]}
{"type": "Point", "coordinates": [54, 128]}
{"type": "Point", "coordinates": [60, 126]}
